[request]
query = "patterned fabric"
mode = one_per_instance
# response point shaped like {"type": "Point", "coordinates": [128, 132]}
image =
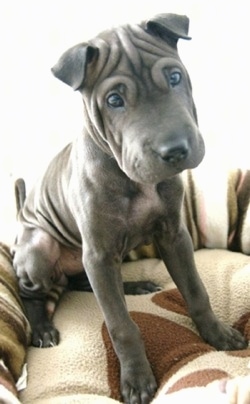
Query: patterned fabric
{"type": "Point", "coordinates": [14, 329]}
{"type": "Point", "coordinates": [84, 368]}
{"type": "Point", "coordinates": [216, 208]}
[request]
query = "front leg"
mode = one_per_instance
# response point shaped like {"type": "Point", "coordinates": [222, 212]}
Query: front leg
{"type": "Point", "coordinates": [176, 250]}
{"type": "Point", "coordinates": [137, 380]}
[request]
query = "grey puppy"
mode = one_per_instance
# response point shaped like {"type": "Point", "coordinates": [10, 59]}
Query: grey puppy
{"type": "Point", "coordinates": [116, 187]}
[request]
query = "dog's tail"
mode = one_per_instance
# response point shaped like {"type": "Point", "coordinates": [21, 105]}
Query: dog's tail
{"type": "Point", "coordinates": [20, 193]}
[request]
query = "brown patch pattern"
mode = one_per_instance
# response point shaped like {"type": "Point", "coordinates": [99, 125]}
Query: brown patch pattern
{"type": "Point", "coordinates": [199, 378]}
{"type": "Point", "coordinates": [171, 300]}
{"type": "Point", "coordinates": [169, 346]}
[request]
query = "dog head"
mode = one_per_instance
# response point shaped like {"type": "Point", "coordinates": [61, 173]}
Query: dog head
{"type": "Point", "coordinates": [138, 97]}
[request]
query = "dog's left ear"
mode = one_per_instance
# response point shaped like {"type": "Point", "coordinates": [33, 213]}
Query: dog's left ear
{"type": "Point", "coordinates": [71, 67]}
{"type": "Point", "coordinates": [169, 27]}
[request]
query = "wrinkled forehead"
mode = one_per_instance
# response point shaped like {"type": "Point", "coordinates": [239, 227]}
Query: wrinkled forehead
{"type": "Point", "coordinates": [128, 48]}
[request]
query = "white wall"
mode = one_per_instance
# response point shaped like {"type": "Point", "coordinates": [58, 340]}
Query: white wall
{"type": "Point", "coordinates": [39, 115]}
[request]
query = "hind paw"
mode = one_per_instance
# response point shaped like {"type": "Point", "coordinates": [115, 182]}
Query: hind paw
{"type": "Point", "coordinates": [45, 336]}
{"type": "Point", "coordinates": [140, 288]}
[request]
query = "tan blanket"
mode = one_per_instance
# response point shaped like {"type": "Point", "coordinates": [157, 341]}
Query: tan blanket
{"type": "Point", "coordinates": [84, 368]}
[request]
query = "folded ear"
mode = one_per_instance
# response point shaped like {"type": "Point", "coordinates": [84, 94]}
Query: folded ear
{"type": "Point", "coordinates": [169, 27]}
{"type": "Point", "coordinates": [71, 67]}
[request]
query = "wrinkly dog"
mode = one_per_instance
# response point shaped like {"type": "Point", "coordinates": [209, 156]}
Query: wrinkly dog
{"type": "Point", "coordinates": [116, 187]}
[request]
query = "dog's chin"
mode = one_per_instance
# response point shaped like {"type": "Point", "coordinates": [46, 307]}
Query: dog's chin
{"type": "Point", "coordinates": [152, 177]}
{"type": "Point", "coordinates": [143, 174]}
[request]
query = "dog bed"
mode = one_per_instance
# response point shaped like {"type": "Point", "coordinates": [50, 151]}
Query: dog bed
{"type": "Point", "coordinates": [83, 367]}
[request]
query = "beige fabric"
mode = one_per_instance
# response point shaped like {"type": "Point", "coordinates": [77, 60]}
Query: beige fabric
{"type": "Point", "coordinates": [83, 367]}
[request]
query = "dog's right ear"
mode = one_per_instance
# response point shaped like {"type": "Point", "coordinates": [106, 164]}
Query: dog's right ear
{"type": "Point", "coordinates": [71, 67]}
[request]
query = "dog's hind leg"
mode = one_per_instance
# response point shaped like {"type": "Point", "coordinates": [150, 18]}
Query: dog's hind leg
{"type": "Point", "coordinates": [35, 257]}
{"type": "Point", "coordinates": [80, 282]}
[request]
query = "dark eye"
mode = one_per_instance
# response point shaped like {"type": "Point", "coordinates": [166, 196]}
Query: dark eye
{"type": "Point", "coordinates": [175, 79]}
{"type": "Point", "coordinates": [114, 100]}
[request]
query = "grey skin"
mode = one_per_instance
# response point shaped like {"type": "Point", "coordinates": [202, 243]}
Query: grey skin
{"type": "Point", "coordinates": [118, 186]}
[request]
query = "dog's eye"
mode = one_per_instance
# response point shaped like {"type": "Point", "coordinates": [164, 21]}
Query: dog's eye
{"type": "Point", "coordinates": [114, 100]}
{"type": "Point", "coordinates": [175, 79]}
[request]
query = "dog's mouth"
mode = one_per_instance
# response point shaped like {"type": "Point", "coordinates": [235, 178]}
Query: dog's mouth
{"type": "Point", "coordinates": [145, 175]}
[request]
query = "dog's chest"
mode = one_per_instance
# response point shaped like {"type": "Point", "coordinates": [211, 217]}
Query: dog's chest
{"type": "Point", "coordinates": [144, 214]}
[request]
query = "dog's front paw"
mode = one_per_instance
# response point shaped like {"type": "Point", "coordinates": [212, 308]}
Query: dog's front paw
{"type": "Point", "coordinates": [45, 335]}
{"type": "Point", "coordinates": [224, 338]}
{"type": "Point", "coordinates": [138, 386]}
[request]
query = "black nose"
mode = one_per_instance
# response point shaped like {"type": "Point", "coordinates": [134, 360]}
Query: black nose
{"type": "Point", "coordinates": [173, 154]}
